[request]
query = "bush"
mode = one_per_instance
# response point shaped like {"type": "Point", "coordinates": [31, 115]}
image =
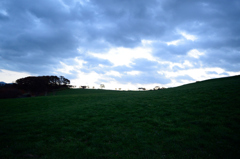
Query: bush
{"type": "Point", "coordinates": [9, 92]}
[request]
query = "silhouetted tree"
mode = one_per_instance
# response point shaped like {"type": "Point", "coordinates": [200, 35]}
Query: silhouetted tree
{"type": "Point", "coordinates": [83, 87]}
{"type": "Point", "coordinates": [66, 81]}
{"type": "Point", "coordinates": [42, 84]}
{"type": "Point", "coordinates": [33, 84]}
{"type": "Point", "coordinates": [141, 88]}
{"type": "Point", "coordinates": [102, 86]}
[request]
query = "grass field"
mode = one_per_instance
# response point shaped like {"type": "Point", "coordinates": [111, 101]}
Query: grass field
{"type": "Point", "coordinates": [199, 120]}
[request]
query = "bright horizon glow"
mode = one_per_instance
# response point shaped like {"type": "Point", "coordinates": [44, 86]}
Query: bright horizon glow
{"type": "Point", "coordinates": [11, 76]}
{"type": "Point", "coordinates": [92, 78]}
{"type": "Point", "coordinates": [125, 56]}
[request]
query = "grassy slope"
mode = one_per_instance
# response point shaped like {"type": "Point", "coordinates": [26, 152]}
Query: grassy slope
{"type": "Point", "coordinates": [199, 120]}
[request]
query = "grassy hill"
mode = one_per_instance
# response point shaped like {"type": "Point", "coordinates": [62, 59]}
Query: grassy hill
{"type": "Point", "coordinates": [199, 120]}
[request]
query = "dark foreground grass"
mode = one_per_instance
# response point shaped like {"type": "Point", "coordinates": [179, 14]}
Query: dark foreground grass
{"type": "Point", "coordinates": [199, 120]}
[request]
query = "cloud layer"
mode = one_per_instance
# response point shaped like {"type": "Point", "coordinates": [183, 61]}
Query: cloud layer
{"type": "Point", "coordinates": [134, 42]}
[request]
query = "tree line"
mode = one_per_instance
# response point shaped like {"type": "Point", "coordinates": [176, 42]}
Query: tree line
{"type": "Point", "coordinates": [42, 83]}
{"type": "Point", "coordinates": [34, 85]}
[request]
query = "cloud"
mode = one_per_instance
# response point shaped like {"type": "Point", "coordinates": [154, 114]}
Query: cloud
{"type": "Point", "coordinates": [188, 36]}
{"type": "Point", "coordinates": [144, 78]}
{"type": "Point", "coordinates": [175, 42]}
{"type": "Point", "coordinates": [127, 41]}
{"type": "Point", "coordinates": [195, 53]}
{"type": "Point", "coordinates": [113, 73]}
{"type": "Point", "coordinates": [133, 73]}
{"type": "Point", "coordinates": [125, 56]}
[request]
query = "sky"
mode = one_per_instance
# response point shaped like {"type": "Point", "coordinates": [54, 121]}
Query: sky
{"type": "Point", "coordinates": [120, 43]}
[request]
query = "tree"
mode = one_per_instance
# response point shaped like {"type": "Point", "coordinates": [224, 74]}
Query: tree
{"type": "Point", "coordinates": [42, 84]}
{"type": "Point", "coordinates": [63, 80]}
{"type": "Point", "coordinates": [102, 86]}
{"type": "Point", "coordinates": [66, 81]}
{"type": "Point", "coordinates": [83, 87]}
{"type": "Point", "coordinates": [33, 84]}
{"type": "Point", "coordinates": [141, 88]}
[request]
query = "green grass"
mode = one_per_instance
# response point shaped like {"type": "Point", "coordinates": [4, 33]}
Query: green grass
{"type": "Point", "coordinates": [199, 120]}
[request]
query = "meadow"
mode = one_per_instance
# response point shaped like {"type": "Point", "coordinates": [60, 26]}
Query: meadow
{"type": "Point", "coordinates": [198, 120]}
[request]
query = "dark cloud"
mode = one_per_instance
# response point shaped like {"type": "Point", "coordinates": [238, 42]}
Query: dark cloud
{"type": "Point", "coordinates": [36, 36]}
{"type": "Point", "coordinates": [225, 58]}
{"type": "Point", "coordinates": [171, 52]}
{"type": "Point", "coordinates": [94, 64]}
